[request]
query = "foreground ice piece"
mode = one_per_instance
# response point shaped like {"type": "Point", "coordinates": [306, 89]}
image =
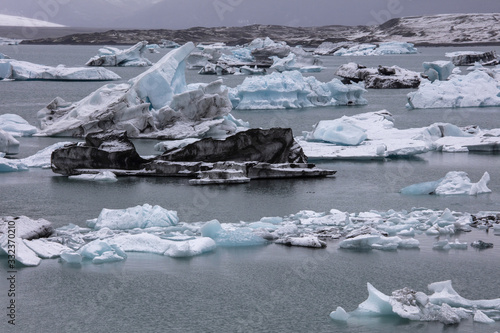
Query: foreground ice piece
{"type": "Point", "coordinates": [16, 125]}
{"type": "Point", "coordinates": [445, 305]}
{"type": "Point", "coordinates": [11, 165]}
{"type": "Point", "coordinates": [23, 254]}
{"type": "Point", "coordinates": [111, 56]}
{"type": "Point", "coordinates": [290, 90]}
{"type": "Point", "coordinates": [23, 71]}
{"type": "Point", "coordinates": [26, 228]}
{"type": "Point", "coordinates": [155, 104]}
{"type": "Point", "coordinates": [383, 77]}
{"type": "Point", "coordinates": [454, 183]}
{"type": "Point", "coordinates": [145, 216]}
{"type": "Point", "coordinates": [476, 89]}
{"type": "Point", "coordinates": [8, 144]}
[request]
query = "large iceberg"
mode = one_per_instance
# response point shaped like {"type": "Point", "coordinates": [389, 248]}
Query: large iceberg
{"type": "Point", "coordinates": [23, 71]}
{"type": "Point", "coordinates": [438, 70]}
{"type": "Point", "coordinates": [289, 90]}
{"type": "Point", "coordinates": [155, 104]}
{"type": "Point", "coordinates": [445, 305]}
{"type": "Point", "coordinates": [111, 56]}
{"type": "Point", "coordinates": [376, 50]}
{"type": "Point", "coordinates": [476, 89]}
{"type": "Point", "coordinates": [454, 183]}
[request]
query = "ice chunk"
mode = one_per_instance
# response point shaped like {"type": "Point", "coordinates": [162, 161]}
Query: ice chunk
{"type": "Point", "coordinates": [337, 131]}
{"type": "Point", "coordinates": [46, 249]}
{"type": "Point", "coordinates": [480, 317]}
{"type": "Point", "coordinates": [8, 144]}
{"type": "Point", "coordinates": [467, 58]}
{"type": "Point", "coordinates": [16, 125]}
{"type": "Point", "coordinates": [101, 251]}
{"type": "Point", "coordinates": [361, 242]}
{"type": "Point", "coordinates": [191, 248]}
{"type": "Point", "coordinates": [10, 165]}
{"type": "Point", "coordinates": [143, 242]}
{"type": "Point", "coordinates": [145, 216]}
{"type": "Point", "coordinates": [26, 228]}
{"type": "Point", "coordinates": [476, 89]}
{"type": "Point", "coordinates": [111, 56]}
{"type": "Point", "coordinates": [438, 70]}
{"type": "Point", "coordinates": [71, 257]}
{"type": "Point", "coordinates": [304, 241]}
{"type": "Point", "coordinates": [229, 238]}
{"type": "Point", "coordinates": [23, 71]}
{"type": "Point", "coordinates": [339, 314]}
{"type": "Point", "coordinates": [455, 182]}
{"type": "Point", "coordinates": [374, 50]}
{"type": "Point", "coordinates": [24, 254]}
{"type": "Point", "coordinates": [289, 90]}
{"type": "Point", "coordinates": [104, 176]}
{"type": "Point", "coordinates": [292, 63]}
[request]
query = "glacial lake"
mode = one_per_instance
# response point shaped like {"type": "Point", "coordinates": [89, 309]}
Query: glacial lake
{"type": "Point", "coordinates": [254, 289]}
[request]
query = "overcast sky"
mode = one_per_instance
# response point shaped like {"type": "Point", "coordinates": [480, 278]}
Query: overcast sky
{"type": "Point", "coordinates": [177, 14]}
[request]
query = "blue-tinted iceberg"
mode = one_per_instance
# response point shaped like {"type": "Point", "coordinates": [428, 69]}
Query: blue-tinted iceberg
{"type": "Point", "coordinates": [290, 90]}
{"type": "Point", "coordinates": [476, 89]}
{"type": "Point", "coordinates": [438, 70]}
{"type": "Point", "coordinates": [111, 56]}
{"type": "Point", "coordinates": [228, 237]}
{"type": "Point", "coordinates": [155, 104]}
{"type": "Point", "coordinates": [337, 131]}
{"type": "Point", "coordinates": [24, 71]}
{"type": "Point", "coordinates": [375, 50]}
{"type": "Point", "coordinates": [297, 59]}
{"type": "Point", "coordinates": [445, 305]}
{"type": "Point", "coordinates": [16, 125]}
{"type": "Point", "coordinates": [454, 183]}
{"type": "Point", "coordinates": [101, 251]}
{"type": "Point", "coordinates": [145, 216]}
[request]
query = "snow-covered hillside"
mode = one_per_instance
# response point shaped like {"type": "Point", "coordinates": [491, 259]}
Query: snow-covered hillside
{"type": "Point", "coordinates": [19, 21]}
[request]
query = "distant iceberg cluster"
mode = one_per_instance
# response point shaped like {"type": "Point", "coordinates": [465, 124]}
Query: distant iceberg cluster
{"type": "Point", "coordinates": [376, 50]}
{"type": "Point", "coordinates": [444, 305]}
{"type": "Point", "coordinates": [153, 229]}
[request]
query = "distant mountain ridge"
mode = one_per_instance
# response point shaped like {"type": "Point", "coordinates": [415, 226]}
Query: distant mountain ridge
{"type": "Point", "coordinates": [20, 21]}
{"type": "Point", "coordinates": [443, 29]}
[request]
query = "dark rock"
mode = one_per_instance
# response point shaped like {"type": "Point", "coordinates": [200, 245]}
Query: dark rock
{"type": "Point", "coordinates": [486, 58]}
{"type": "Point", "coordinates": [275, 145]}
{"type": "Point", "coordinates": [481, 245]}
{"type": "Point", "coordinates": [100, 151]}
{"type": "Point", "coordinates": [384, 70]}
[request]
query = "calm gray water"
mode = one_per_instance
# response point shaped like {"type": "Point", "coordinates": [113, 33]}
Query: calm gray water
{"type": "Point", "coordinates": [260, 289]}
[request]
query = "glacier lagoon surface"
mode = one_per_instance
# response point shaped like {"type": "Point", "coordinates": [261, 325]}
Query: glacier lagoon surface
{"type": "Point", "coordinates": [264, 288]}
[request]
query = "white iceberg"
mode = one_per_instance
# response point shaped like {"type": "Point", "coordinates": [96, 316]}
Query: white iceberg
{"type": "Point", "coordinates": [104, 176]}
{"type": "Point", "coordinates": [438, 70]}
{"type": "Point", "coordinates": [476, 89]}
{"type": "Point", "coordinates": [155, 104]}
{"type": "Point", "coordinates": [145, 216]}
{"type": "Point", "coordinates": [297, 59]}
{"type": "Point", "coordinates": [22, 71]}
{"type": "Point", "coordinates": [338, 131]}
{"type": "Point", "coordinates": [16, 125]}
{"type": "Point", "coordinates": [454, 183]}
{"type": "Point", "coordinates": [8, 144]}
{"type": "Point", "coordinates": [111, 56]}
{"type": "Point", "coordinates": [46, 249]}
{"type": "Point", "coordinates": [445, 305]}
{"type": "Point", "coordinates": [23, 254]}
{"type": "Point", "coordinates": [191, 248]}
{"type": "Point", "coordinates": [376, 50]}
{"type": "Point", "coordinates": [230, 238]}
{"type": "Point", "coordinates": [290, 90]}
{"type": "Point", "coordinates": [305, 241]}
{"type": "Point", "coordinates": [101, 251]}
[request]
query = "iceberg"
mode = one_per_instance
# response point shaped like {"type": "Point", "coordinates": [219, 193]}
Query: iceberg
{"type": "Point", "coordinates": [8, 144]}
{"type": "Point", "coordinates": [445, 305]}
{"type": "Point", "coordinates": [438, 70]}
{"type": "Point", "coordinates": [376, 50]}
{"type": "Point", "coordinates": [230, 238]}
{"type": "Point", "coordinates": [104, 176]}
{"type": "Point", "coordinates": [155, 104]}
{"type": "Point", "coordinates": [41, 159]}
{"type": "Point", "coordinates": [23, 253]}
{"type": "Point", "coordinates": [383, 77]}
{"type": "Point", "coordinates": [454, 183]}
{"type": "Point", "coordinates": [145, 216]}
{"type": "Point", "coordinates": [16, 125]}
{"type": "Point", "coordinates": [329, 48]}
{"type": "Point", "coordinates": [468, 58]}
{"type": "Point", "coordinates": [23, 71]}
{"type": "Point", "coordinates": [111, 56]}
{"type": "Point", "coordinates": [71, 257]}
{"type": "Point", "coordinates": [26, 228]}
{"type": "Point", "coordinates": [11, 165]}
{"type": "Point", "coordinates": [191, 248]}
{"type": "Point", "coordinates": [46, 249]}
{"type": "Point", "coordinates": [101, 251]}
{"type": "Point", "coordinates": [476, 89]}
{"type": "Point", "coordinates": [338, 131]}
{"type": "Point", "coordinates": [306, 241]}
{"type": "Point", "coordinates": [297, 59]}
{"type": "Point", "coordinates": [290, 90]}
